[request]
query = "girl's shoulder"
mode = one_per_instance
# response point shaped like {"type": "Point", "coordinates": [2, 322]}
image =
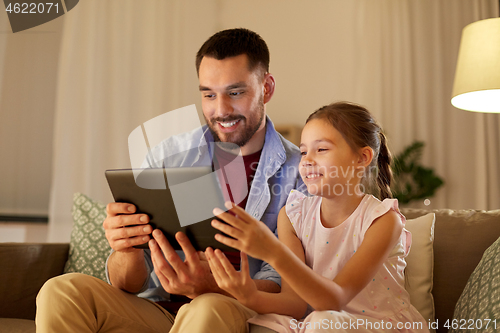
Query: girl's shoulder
{"type": "Point", "coordinates": [299, 204]}
{"type": "Point", "coordinates": [373, 208]}
{"type": "Point", "coordinates": [296, 200]}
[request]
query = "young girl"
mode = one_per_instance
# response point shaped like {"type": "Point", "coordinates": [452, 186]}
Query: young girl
{"type": "Point", "coordinates": [340, 252]}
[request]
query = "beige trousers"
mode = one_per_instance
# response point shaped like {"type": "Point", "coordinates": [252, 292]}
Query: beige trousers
{"type": "Point", "coordinates": [212, 313]}
{"type": "Point", "coordinates": [81, 303]}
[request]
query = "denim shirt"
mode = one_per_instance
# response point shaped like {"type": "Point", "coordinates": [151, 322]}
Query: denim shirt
{"type": "Point", "coordinates": [276, 175]}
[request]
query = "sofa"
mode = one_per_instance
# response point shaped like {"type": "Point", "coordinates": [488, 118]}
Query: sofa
{"type": "Point", "coordinates": [447, 247]}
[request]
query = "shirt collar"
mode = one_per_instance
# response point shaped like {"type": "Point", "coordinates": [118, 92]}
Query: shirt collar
{"type": "Point", "coordinates": [273, 146]}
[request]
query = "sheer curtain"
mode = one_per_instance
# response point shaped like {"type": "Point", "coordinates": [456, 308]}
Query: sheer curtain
{"type": "Point", "coordinates": [124, 62]}
{"type": "Point", "coordinates": [412, 48]}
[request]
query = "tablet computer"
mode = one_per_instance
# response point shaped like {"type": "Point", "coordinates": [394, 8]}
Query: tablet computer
{"type": "Point", "coordinates": [175, 199]}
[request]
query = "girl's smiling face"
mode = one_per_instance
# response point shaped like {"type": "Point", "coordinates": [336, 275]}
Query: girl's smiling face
{"type": "Point", "coordinates": [329, 166]}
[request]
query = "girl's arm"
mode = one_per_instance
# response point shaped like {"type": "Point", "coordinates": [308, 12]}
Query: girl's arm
{"type": "Point", "coordinates": [320, 292]}
{"type": "Point", "coordinates": [243, 288]}
{"type": "Point", "coordinates": [324, 294]}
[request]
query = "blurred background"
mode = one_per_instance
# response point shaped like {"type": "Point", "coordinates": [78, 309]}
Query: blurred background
{"type": "Point", "coordinates": [73, 89]}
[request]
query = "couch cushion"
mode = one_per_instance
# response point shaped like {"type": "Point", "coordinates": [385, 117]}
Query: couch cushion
{"type": "Point", "coordinates": [8, 325]}
{"type": "Point", "coordinates": [480, 300]}
{"type": "Point", "coordinates": [460, 238]}
{"type": "Point", "coordinates": [89, 247]}
{"type": "Point", "coordinates": [24, 269]}
{"type": "Point", "coordinates": [420, 260]}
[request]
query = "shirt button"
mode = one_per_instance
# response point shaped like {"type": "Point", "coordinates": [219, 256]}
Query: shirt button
{"type": "Point", "coordinates": [255, 214]}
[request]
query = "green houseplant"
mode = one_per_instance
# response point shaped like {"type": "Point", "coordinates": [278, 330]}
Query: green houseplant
{"type": "Point", "coordinates": [412, 181]}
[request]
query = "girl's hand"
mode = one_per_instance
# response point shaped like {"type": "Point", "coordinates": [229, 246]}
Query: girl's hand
{"type": "Point", "coordinates": [248, 234]}
{"type": "Point", "coordinates": [238, 284]}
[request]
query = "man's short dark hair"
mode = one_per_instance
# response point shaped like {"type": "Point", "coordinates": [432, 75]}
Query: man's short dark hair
{"type": "Point", "coordinates": [234, 42]}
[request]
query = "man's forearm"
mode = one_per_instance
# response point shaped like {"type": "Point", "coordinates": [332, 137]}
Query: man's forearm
{"type": "Point", "coordinates": [127, 271]}
{"type": "Point", "coordinates": [262, 285]}
{"type": "Point", "coordinates": [267, 286]}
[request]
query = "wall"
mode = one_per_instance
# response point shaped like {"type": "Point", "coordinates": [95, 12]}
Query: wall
{"type": "Point", "coordinates": [28, 72]}
{"type": "Point", "coordinates": [20, 232]}
{"type": "Point", "coordinates": [28, 75]}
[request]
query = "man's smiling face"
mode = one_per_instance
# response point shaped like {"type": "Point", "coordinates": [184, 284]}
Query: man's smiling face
{"type": "Point", "coordinates": [232, 98]}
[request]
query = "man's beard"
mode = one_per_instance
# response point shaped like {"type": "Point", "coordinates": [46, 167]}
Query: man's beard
{"type": "Point", "coordinates": [242, 136]}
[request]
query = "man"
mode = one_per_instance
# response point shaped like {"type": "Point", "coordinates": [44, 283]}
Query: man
{"type": "Point", "coordinates": [235, 86]}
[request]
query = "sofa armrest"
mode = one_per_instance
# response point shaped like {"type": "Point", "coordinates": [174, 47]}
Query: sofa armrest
{"type": "Point", "coordinates": [25, 268]}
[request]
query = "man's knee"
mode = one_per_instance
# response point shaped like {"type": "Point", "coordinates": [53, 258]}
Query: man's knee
{"type": "Point", "coordinates": [68, 286]}
{"type": "Point", "coordinates": [70, 302]}
{"type": "Point", "coordinates": [213, 302]}
{"type": "Point", "coordinates": [217, 312]}
{"type": "Point", "coordinates": [216, 307]}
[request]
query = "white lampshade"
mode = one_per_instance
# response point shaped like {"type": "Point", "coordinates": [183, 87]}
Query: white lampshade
{"type": "Point", "coordinates": [477, 78]}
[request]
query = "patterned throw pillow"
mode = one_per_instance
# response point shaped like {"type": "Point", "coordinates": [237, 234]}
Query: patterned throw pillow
{"type": "Point", "coordinates": [89, 247]}
{"type": "Point", "coordinates": [478, 308]}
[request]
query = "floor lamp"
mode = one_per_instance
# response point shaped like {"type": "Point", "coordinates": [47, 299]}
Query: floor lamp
{"type": "Point", "coordinates": [477, 77]}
